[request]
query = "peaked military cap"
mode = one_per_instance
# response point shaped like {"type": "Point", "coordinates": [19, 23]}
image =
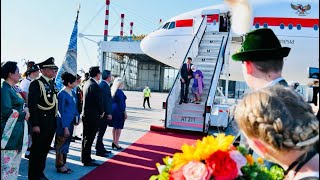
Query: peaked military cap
{"type": "Point", "coordinates": [49, 63]}
{"type": "Point", "coordinates": [261, 45]}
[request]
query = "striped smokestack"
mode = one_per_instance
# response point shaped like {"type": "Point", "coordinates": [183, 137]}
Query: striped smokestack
{"type": "Point", "coordinates": [131, 27]}
{"type": "Point", "coordinates": [121, 26]}
{"type": "Point", "coordinates": [106, 21]}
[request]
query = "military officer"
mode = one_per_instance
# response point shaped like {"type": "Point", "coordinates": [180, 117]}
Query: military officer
{"type": "Point", "coordinates": [42, 103]}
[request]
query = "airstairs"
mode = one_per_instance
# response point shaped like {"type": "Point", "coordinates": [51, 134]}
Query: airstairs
{"type": "Point", "coordinates": [209, 59]}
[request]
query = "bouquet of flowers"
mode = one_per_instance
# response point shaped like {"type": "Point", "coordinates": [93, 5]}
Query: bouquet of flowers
{"type": "Point", "coordinates": [215, 158]}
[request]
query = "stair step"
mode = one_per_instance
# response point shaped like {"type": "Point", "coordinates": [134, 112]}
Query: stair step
{"type": "Point", "coordinates": [216, 33]}
{"type": "Point", "coordinates": [209, 49]}
{"type": "Point", "coordinates": [190, 106]}
{"type": "Point", "coordinates": [181, 111]}
{"type": "Point", "coordinates": [204, 63]}
{"type": "Point", "coordinates": [209, 54]}
{"type": "Point", "coordinates": [204, 58]}
{"type": "Point", "coordinates": [211, 37]}
{"type": "Point", "coordinates": [173, 126]}
{"type": "Point", "coordinates": [211, 42]}
{"type": "Point", "coordinates": [205, 67]}
{"type": "Point", "coordinates": [188, 112]}
{"type": "Point", "coordinates": [188, 119]}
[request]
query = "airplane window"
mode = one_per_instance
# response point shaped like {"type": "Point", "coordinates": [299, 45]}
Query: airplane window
{"type": "Point", "coordinates": [172, 25]}
{"type": "Point", "coordinates": [257, 25]}
{"type": "Point", "coordinates": [315, 27]}
{"type": "Point", "coordinates": [290, 26]}
{"type": "Point", "coordinates": [166, 25]}
{"type": "Point", "coordinates": [298, 26]}
{"type": "Point", "coordinates": [281, 26]}
{"type": "Point", "coordinates": [265, 25]}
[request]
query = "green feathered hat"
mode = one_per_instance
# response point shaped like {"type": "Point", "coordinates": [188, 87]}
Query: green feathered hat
{"type": "Point", "coordinates": [261, 45]}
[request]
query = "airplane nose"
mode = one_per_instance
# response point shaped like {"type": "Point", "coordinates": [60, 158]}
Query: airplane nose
{"type": "Point", "coordinates": [146, 45]}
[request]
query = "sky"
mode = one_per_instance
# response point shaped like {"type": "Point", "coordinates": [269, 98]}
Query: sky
{"type": "Point", "coordinates": [38, 29]}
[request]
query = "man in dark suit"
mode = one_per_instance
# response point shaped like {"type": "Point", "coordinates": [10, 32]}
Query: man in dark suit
{"type": "Point", "coordinates": [92, 111]}
{"type": "Point", "coordinates": [42, 103]}
{"type": "Point", "coordinates": [186, 76]}
{"type": "Point", "coordinates": [107, 105]}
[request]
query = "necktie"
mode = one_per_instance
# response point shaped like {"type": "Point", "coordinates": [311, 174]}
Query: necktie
{"type": "Point", "coordinates": [51, 83]}
{"type": "Point", "coordinates": [188, 66]}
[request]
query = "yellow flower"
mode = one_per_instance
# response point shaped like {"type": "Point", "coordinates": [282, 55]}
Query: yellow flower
{"type": "Point", "coordinates": [260, 160]}
{"type": "Point", "coordinates": [202, 149]}
{"type": "Point", "coordinates": [188, 154]}
{"type": "Point", "coordinates": [211, 144]}
{"type": "Point", "coordinates": [250, 159]}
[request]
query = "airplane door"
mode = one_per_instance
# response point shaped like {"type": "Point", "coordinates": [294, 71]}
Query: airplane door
{"type": "Point", "coordinates": [212, 19]}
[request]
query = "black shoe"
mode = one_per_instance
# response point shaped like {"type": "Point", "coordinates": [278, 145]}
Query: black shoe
{"type": "Point", "coordinates": [180, 102]}
{"type": "Point", "coordinates": [68, 171]}
{"type": "Point", "coordinates": [91, 164]}
{"type": "Point", "coordinates": [102, 154]}
{"type": "Point", "coordinates": [27, 156]}
{"type": "Point", "coordinates": [51, 148]}
{"type": "Point", "coordinates": [149, 107]}
{"type": "Point", "coordinates": [114, 146]}
{"type": "Point", "coordinates": [77, 138]}
{"type": "Point", "coordinates": [43, 177]}
{"type": "Point", "coordinates": [185, 102]}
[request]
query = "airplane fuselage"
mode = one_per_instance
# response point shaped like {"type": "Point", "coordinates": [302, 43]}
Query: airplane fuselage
{"type": "Point", "coordinates": [295, 28]}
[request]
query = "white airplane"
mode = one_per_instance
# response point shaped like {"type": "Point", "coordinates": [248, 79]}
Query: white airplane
{"type": "Point", "coordinates": [295, 22]}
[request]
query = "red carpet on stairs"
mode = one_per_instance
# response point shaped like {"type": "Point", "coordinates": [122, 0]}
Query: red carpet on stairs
{"type": "Point", "coordinates": [138, 160]}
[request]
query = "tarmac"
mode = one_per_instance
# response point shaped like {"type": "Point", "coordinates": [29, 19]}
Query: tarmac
{"type": "Point", "coordinates": [137, 124]}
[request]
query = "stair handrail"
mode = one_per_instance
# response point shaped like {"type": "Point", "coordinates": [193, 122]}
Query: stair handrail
{"type": "Point", "coordinates": [174, 86]}
{"type": "Point", "coordinates": [216, 75]}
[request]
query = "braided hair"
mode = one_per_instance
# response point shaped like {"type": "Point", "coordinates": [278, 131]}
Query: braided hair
{"type": "Point", "coordinates": [280, 117]}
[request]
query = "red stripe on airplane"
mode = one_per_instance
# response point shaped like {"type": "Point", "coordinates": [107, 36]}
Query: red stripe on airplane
{"type": "Point", "coordinates": [184, 23]}
{"type": "Point", "coordinates": [212, 17]}
{"type": "Point", "coordinates": [274, 21]}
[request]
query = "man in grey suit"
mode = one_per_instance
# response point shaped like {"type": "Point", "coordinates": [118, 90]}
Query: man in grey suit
{"type": "Point", "coordinates": [107, 106]}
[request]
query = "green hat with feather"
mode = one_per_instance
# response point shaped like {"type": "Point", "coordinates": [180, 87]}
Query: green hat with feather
{"type": "Point", "coordinates": [261, 45]}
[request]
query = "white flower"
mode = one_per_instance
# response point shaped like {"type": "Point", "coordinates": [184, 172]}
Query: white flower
{"type": "Point", "coordinates": [239, 159]}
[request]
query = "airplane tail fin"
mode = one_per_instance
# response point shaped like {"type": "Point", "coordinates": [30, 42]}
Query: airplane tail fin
{"type": "Point", "coordinates": [241, 16]}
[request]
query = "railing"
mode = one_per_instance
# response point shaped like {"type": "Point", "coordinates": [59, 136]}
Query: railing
{"type": "Point", "coordinates": [175, 90]}
{"type": "Point", "coordinates": [215, 78]}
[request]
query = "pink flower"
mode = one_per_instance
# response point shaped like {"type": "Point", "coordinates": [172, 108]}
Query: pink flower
{"type": "Point", "coordinates": [239, 159]}
{"type": "Point", "coordinates": [6, 159]}
{"type": "Point", "coordinates": [196, 171]}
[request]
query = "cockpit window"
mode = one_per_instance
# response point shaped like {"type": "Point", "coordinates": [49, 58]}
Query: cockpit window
{"type": "Point", "coordinates": [166, 25]}
{"type": "Point", "coordinates": [172, 25]}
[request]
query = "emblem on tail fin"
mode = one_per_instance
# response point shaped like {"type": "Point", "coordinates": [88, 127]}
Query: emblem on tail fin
{"type": "Point", "coordinates": [301, 10]}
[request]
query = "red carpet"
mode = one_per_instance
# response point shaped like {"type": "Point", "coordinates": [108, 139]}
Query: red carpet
{"type": "Point", "coordinates": [138, 160]}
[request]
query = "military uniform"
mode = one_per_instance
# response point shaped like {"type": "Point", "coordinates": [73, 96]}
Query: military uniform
{"type": "Point", "coordinates": [43, 107]}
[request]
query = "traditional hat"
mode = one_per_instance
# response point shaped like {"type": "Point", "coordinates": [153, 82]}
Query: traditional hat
{"type": "Point", "coordinates": [78, 77]}
{"type": "Point", "coordinates": [261, 45]}
{"type": "Point", "coordinates": [49, 63]}
{"type": "Point", "coordinates": [31, 67]}
{"type": "Point", "coordinates": [106, 74]}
